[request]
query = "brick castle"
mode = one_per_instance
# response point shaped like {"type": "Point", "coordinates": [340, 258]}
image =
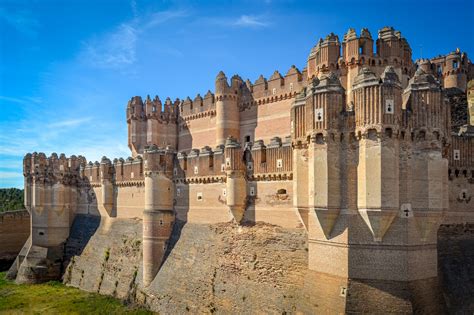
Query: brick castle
{"type": "Point", "coordinates": [358, 150]}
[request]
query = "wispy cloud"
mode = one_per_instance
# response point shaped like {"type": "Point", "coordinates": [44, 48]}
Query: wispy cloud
{"type": "Point", "coordinates": [23, 100]}
{"type": "Point", "coordinates": [70, 123]}
{"type": "Point", "coordinates": [23, 21]}
{"type": "Point", "coordinates": [118, 48]}
{"type": "Point", "coordinates": [251, 21]}
{"type": "Point", "coordinates": [242, 21]}
{"type": "Point", "coordinates": [113, 50]}
{"type": "Point", "coordinates": [161, 17]}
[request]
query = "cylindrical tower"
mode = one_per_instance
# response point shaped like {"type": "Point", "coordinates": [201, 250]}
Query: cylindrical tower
{"type": "Point", "coordinates": [227, 109]}
{"type": "Point", "coordinates": [137, 126]}
{"type": "Point", "coordinates": [158, 216]}
{"type": "Point", "coordinates": [324, 104]}
{"type": "Point", "coordinates": [106, 181]}
{"type": "Point", "coordinates": [378, 112]}
{"type": "Point", "coordinates": [236, 185]}
{"type": "Point", "coordinates": [455, 71]}
{"type": "Point", "coordinates": [324, 57]}
{"type": "Point", "coordinates": [427, 182]}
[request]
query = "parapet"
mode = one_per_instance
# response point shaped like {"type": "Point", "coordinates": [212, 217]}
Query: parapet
{"type": "Point", "coordinates": [39, 168]}
{"type": "Point", "coordinates": [277, 85]}
{"type": "Point", "coordinates": [152, 109]}
{"type": "Point", "coordinates": [197, 105]}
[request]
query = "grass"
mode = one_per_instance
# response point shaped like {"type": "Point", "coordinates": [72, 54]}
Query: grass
{"type": "Point", "coordinates": [56, 298]}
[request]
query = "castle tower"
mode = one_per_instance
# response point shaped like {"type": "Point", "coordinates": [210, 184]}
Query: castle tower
{"type": "Point", "coordinates": [455, 71]}
{"type": "Point", "coordinates": [158, 216]}
{"type": "Point", "coordinates": [324, 57]}
{"type": "Point", "coordinates": [107, 184]}
{"type": "Point", "coordinates": [300, 156]}
{"type": "Point", "coordinates": [51, 201]}
{"type": "Point", "coordinates": [394, 50]}
{"type": "Point", "coordinates": [427, 195]}
{"type": "Point", "coordinates": [324, 104]}
{"type": "Point", "coordinates": [425, 65]}
{"type": "Point", "coordinates": [227, 109]}
{"type": "Point", "coordinates": [236, 185]}
{"type": "Point", "coordinates": [136, 122]}
{"type": "Point", "coordinates": [357, 52]}
{"type": "Point", "coordinates": [378, 113]}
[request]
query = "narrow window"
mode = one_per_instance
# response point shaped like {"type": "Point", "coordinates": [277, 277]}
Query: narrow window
{"type": "Point", "coordinates": [279, 163]}
{"type": "Point", "coordinates": [388, 106]}
{"type": "Point", "coordinates": [291, 87]}
{"type": "Point", "coordinates": [457, 155]}
{"type": "Point", "coordinates": [274, 91]}
{"type": "Point", "coordinates": [319, 114]}
{"type": "Point", "coordinates": [455, 64]}
{"type": "Point", "coordinates": [439, 70]}
{"type": "Point", "coordinates": [211, 161]}
{"type": "Point", "coordinates": [247, 138]}
{"type": "Point", "coordinates": [252, 191]}
{"type": "Point", "coordinates": [361, 50]}
{"type": "Point", "coordinates": [249, 166]}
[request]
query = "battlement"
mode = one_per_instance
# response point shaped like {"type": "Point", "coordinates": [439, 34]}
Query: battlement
{"type": "Point", "coordinates": [258, 161]}
{"type": "Point", "coordinates": [277, 85]}
{"type": "Point", "coordinates": [198, 107]}
{"type": "Point", "coordinates": [453, 70]}
{"type": "Point", "coordinates": [358, 50]}
{"type": "Point", "coordinates": [38, 167]}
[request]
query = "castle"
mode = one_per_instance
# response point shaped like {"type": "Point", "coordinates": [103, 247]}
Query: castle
{"type": "Point", "coordinates": [358, 150]}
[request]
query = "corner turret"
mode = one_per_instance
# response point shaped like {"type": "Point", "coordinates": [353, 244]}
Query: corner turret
{"type": "Point", "coordinates": [227, 109]}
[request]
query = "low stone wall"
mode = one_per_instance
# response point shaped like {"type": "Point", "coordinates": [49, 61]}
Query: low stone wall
{"type": "Point", "coordinates": [14, 231]}
{"type": "Point", "coordinates": [223, 268]}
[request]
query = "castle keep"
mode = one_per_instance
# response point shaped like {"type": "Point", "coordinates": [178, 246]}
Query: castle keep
{"type": "Point", "coordinates": [358, 151]}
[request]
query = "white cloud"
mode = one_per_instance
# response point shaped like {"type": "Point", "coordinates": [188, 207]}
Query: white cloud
{"type": "Point", "coordinates": [161, 17]}
{"type": "Point", "coordinates": [70, 122]}
{"type": "Point", "coordinates": [113, 50]}
{"type": "Point", "coordinates": [251, 21]}
{"type": "Point", "coordinates": [117, 49]}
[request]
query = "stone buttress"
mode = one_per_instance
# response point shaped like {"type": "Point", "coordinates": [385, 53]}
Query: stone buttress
{"type": "Point", "coordinates": [158, 216]}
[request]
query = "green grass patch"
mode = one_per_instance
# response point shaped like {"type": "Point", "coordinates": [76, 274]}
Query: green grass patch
{"type": "Point", "coordinates": [55, 298]}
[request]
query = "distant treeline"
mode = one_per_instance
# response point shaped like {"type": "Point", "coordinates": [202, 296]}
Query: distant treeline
{"type": "Point", "coordinates": [11, 199]}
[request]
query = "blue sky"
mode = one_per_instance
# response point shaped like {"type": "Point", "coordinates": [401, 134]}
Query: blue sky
{"type": "Point", "coordinates": [68, 68]}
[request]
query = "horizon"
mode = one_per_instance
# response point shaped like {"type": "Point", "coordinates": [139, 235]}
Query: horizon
{"type": "Point", "coordinates": [67, 72]}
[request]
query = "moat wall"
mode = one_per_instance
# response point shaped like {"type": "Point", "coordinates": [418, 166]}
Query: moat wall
{"type": "Point", "coordinates": [224, 268]}
{"type": "Point", "coordinates": [14, 231]}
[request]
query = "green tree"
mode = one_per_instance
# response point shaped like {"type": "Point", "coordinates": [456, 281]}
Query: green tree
{"type": "Point", "coordinates": [11, 199]}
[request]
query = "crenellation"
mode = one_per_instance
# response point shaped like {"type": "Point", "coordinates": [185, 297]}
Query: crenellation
{"type": "Point", "coordinates": [356, 150]}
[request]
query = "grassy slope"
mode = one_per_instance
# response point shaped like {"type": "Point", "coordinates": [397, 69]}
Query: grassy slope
{"type": "Point", "coordinates": [55, 298]}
